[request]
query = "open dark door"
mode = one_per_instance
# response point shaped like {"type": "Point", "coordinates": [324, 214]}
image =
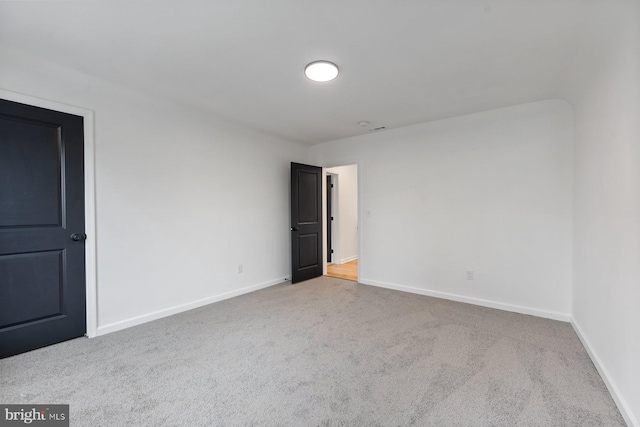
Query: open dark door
{"type": "Point", "coordinates": [329, 218]}
{"type": "Point", "coordinates": [306, 222]}
{"type": "Point", "coordinates": [42, 270]}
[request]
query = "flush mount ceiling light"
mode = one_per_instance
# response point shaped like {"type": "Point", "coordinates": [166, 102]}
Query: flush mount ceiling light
{"type": "Point", "coordinates": [321, 71]}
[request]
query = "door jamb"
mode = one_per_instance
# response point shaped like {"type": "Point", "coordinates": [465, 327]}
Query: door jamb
{"type": "Point", "coordinates": [91, 280]}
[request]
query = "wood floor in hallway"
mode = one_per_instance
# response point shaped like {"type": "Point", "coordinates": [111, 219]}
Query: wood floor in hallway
{"type": "Point", "coordinates": [348, 270]}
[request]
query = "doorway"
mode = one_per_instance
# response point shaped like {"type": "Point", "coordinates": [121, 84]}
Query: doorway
{"type": "Point", "coordinates": [342, 231]}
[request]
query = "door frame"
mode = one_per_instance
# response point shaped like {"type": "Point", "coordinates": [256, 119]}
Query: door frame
{"type": "Point", "coordinates": [325, 166]}
{"type": "Point", "coordinates": [90, 260]}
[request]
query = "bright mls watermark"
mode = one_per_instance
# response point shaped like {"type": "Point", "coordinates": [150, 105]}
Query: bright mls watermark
{"type": "Point", "coordinates": [34, 415]}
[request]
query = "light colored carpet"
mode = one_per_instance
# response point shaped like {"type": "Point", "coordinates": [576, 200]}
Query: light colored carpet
{"type": "Point", "coordinates": [324, 352]}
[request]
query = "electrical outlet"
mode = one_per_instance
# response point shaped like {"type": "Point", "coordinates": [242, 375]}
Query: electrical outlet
{"type": "Point", "coordinates": [239, 268]}
{"type": "Point", "coordinates": [469, 275]}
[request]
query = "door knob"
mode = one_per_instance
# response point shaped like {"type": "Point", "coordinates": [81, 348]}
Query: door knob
{"type": "Point", "coordinates": [294, 228]}
{"type": "Point", "coordinates": [76, 237]}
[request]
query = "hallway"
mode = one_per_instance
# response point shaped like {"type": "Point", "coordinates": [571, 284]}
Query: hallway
{"type": "Point", "coordinates": [348, 270]}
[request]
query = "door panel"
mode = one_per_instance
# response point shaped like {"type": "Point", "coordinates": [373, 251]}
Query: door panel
{"type": "Point", "coordinates": [25, 144]}
{"type": "Point", "coordinates": [27, 275]}
{"type": "Point", "coordinates": [42, 272]}
{"type": "Point", "coordinates": [306, 222]}
{"type": "Point", "coordinates": [307, 197]}
{"type": "Point", "coordinates": [308, 250]}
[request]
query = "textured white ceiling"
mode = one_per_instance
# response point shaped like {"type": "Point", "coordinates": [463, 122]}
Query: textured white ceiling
{"type": "Point", "coordinates": [402, 62]}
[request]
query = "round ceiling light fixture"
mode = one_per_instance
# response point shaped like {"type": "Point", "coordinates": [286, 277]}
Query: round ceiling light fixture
{"type": "Point", "coordinates": [321, 71]}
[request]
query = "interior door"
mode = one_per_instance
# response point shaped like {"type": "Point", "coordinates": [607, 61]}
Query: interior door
{"type": "Point", "coordinates": [306, 222]}
{"type": "Point", "coordinates": [329, 218]}
{"type": "Point", "coordinates": [42, 270]}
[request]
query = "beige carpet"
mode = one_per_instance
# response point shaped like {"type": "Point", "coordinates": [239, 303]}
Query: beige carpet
{"type": "Point", "coordinates": [324, 352]}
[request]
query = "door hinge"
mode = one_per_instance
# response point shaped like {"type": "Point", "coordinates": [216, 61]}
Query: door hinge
{"type": "Point", "coordinates": [331, 250]}
{"type": "Point", "coordinates": [331, 218]}
{"type": "Point", "coordinates": [331, 185]}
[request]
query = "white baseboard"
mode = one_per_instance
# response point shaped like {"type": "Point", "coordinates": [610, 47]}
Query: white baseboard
{"type": "Point", "coordinates": [470, 300]}
{"type": "Point", "coordinates": [623, 407]}
{"type": "Point", "coordinates": [123, 324]}
{"type": "Point", "coordinates": [348, 259]}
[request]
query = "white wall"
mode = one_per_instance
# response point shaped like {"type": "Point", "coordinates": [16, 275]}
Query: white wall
{"type": "Point", "coordinates": [182, 199]}
{"type": "Point", "coordinates": [346, 212]}
{"type": "Point", "coordinates": [489, 192]}
{"type": "Point", "coordinates": [604, 88]}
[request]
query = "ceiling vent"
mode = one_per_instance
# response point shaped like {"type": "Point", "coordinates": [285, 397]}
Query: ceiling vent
{"type": "Point", "coordinates": [378, 129]}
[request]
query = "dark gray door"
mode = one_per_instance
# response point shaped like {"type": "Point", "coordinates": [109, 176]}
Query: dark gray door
{"type": "Point", "coordinates": [329, 186]}
{"type": "Point", "coordinates": [42, 271]}
{"type": "Point", "coordinates": [306, 222]}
